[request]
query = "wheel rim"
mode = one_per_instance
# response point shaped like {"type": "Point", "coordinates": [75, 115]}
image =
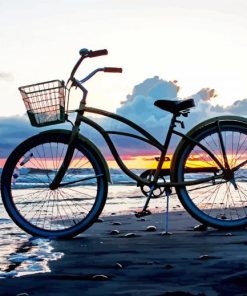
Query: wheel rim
{"type": "Point", "coordinates": [61, 209]}
{"type": "Point", "coordinates": [224, 202]}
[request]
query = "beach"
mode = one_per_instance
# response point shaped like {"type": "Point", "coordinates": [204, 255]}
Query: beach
{"type": "Point", "coordinates": [123, 255]}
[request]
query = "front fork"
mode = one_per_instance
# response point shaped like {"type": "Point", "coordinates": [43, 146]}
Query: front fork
{"type": "Point", "coordinates": [67, 159]}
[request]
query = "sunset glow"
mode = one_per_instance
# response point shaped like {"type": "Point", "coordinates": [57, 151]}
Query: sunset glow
{"type": "Point", "coordinates": [2, 162]}
{"type": "Point", "coordinates": [142, 162]}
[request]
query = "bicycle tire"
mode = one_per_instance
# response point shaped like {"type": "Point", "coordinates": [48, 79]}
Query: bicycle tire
{"type": "Point", "coordinates": [218, 205]}
{"type": "Point", "coordinates": [66, 211]}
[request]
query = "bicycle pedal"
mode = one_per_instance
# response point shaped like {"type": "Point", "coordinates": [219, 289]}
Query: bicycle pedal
{"type": "Point", "coordinates": [142, 213]}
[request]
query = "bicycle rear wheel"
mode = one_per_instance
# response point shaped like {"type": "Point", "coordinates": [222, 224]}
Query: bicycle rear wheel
{"type": "Point", "coordinates": [223, 203]}
{"type": "Point", "coordinates": [59, 213]}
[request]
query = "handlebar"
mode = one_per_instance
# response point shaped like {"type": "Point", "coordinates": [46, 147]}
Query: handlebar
{"type": "Point", "coordinates": [97, 53]}
{"type": "Point", "coordinates": [91, 54]}
{"type": "Point", "coordinates": [106, 69]}
{"type": "Point", "coordinates": [113, 70]}
{"type": "Point", "coordinates": [85, 53]}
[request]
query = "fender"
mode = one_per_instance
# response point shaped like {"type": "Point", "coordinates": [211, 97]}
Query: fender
{"type": "Point", "coordinates": [197, 128]}
{"type": "Point", "coordinates": [215, 119]}
{"type": "Point", "coordinates": [88, 143]}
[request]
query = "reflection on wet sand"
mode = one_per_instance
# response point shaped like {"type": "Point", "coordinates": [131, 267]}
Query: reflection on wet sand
{"type": "Point", "coordinates": [20, 254]}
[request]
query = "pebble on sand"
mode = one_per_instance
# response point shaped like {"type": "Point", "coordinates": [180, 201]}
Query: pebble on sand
{"type": "Point", "coordinates": [169, 266]}
{"type": "Point", "coordinates": [229, 234]}
{"type": "Point", "coordinates": [114, 232]}
{"type": "Point", "coordinates": [100, 277]}
{"type": "Point", "coordinates": [201, 227]}
{"type": "Point", "coordinates": [141, 220]}
{"type": "Point", "coordinates": [116, 223]}
{"type": "Point", "coordinates": [151, 228]}
{"type": "Point", "coordinates": [204, 257]}
{"type": "Point", "coordinates": [99, 220]}
{"type": "Point", "coordinates": [130, 234]}
{"type": "Point", "coordinates": [118, 265]}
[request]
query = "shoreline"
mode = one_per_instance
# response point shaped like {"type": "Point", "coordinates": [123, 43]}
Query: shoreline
{"type": "Point", "coordinates": [135, 261]}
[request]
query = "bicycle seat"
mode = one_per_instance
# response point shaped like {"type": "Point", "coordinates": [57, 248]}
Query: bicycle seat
{"type": "Point", "coordinates": [174, 106]}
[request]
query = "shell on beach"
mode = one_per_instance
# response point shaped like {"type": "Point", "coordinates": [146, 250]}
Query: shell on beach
{"type": "Point", "coordinates": [114, 232]}
{"type": "Point", "coordinates": [130, 234]}
{"type": "Point", "coordinates": [119, 265]}
{"type": "Point", "coordinates": [100, 277]}
{"type": "Point", "coordinates": [151, 228]}
{"type": "Point", "coordinates": [116, 223]}
{"type": "Point", "coordinates": [99, 220]}
{"type": "Point", "coordinates": [201, 227]}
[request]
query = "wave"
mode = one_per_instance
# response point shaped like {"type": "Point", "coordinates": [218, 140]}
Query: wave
{"type": "Point", "coordinates": [28, 178]}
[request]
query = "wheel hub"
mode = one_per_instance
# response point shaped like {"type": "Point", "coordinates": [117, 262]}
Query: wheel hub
{"type": "Point", "coordinates": [230, 177]}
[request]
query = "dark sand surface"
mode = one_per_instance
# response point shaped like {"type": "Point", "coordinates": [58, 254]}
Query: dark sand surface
{"type": "Point", "coordinates": [146, 263]}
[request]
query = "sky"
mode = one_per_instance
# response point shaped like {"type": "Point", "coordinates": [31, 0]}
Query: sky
{"type": "Point", "coordinates": [202, 44]}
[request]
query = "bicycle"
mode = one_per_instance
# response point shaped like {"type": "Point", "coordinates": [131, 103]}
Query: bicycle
{"type": "Point", "coordinates": [55, 183]}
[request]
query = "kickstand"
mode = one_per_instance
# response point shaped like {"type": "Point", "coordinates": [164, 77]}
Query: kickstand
{"type": "Point", "coordinates": [168, 193]}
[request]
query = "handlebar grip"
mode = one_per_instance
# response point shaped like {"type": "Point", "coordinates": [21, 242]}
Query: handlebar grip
{"type": "Point", "coordinates": [97, 53]}
{"type": "Point", "coordinates": [113, 70]}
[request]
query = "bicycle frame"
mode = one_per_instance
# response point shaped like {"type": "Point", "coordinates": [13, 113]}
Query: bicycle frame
{"type": "Point", "coordinates": [148, 138]}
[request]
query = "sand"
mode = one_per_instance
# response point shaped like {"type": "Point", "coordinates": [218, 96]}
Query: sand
{"type": "Point", "coordinates": [187, 262]}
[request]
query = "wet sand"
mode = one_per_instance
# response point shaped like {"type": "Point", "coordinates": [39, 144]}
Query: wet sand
{"type": "Point", "coordinates": [134, 261]}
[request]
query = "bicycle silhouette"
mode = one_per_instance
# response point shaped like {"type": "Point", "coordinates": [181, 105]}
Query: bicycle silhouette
{"type": "Point", "coordinates": [55, 183]}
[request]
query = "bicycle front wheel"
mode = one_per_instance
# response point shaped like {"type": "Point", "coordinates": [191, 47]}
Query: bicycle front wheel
{"type": "Point", "coordinates": [221, 203]}
{"type": "Point", "coordinates": [59, 213]}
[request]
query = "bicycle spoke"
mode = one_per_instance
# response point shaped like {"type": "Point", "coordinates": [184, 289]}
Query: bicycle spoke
{"type": "Point", "coordinates": [222, 200]}
{"type": "Point", "coordinates": [60, 209]}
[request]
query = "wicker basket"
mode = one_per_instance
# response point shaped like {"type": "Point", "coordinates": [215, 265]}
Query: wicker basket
{"type": "Point", "coordinates": [45, 102]}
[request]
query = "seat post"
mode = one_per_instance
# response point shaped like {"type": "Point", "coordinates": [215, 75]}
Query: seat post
{"type": "Point", "coordinates": [166, 145]}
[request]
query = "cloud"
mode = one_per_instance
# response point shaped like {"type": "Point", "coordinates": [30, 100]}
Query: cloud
{"type": "Point", "coordinates": [6, 76]}
{"type": "Point", "coordinates": [139, 108]}
{"type": "Point", "coordinates": [13, 130]}
{"type": "Point", "coordinates": [238, 108]}
{"type": "Point", "coordinates": [154, 88]}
